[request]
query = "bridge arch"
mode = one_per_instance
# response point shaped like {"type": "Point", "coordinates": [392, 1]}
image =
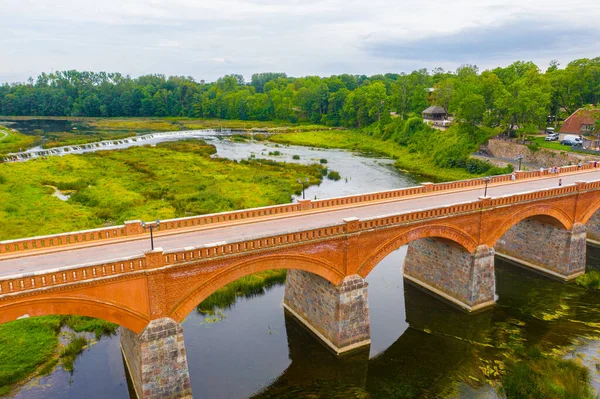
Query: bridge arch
{"type": "Point", "coordinates": [241, 269]}
{"type": "Point", "coordinates": [450, 233]}
{"type": "Point", "coordinates": [589, 212]}
{"type": "Point", "coordinates": [547, 213]}
{"type": "Point", "coordinates": [74, 306]}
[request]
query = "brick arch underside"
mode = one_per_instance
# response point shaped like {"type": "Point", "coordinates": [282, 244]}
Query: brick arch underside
{"type": "Point", "coordinates": [555, 213]}
{"type": "Point", "coordinates": [464, 240]}
{"type": "Point", "coordinates": [245, 268]}
{"type": "Point", "coordinates": [74, 306]}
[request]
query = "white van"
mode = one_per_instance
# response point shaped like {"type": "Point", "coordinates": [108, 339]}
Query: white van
{"type": "Point", "coordinates": [570, 139]}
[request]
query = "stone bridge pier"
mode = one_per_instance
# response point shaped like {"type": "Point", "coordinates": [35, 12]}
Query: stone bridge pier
{"type": "Point", "coordinates": [546, 246]}
{"type": "Point", "coordinates": [338, 315]}
{"type": "Point", "coordinates": [445, 268]}
{"type": "Point", "coordinates": [156, 360]}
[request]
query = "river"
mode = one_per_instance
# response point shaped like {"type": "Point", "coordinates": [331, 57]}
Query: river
{"type": "Point", "coordinates": [421, 347]}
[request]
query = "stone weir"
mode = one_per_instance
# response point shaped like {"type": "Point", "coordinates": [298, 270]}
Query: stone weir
{"type": "Point", "coordinates": [151, 138]}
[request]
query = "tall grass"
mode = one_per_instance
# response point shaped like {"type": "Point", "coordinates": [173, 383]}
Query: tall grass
{"type": "Point", "coordinates": [591, 279]}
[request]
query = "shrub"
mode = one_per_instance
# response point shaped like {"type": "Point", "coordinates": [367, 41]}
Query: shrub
{"type": "Point", "coordinates": [334, 176]}
{"type": "Point", "coordinates": [296, 157]}
{"type": "Point", "coordinates": [323, 160]}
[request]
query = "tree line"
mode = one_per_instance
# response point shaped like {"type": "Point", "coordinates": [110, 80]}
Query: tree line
{"type": "Point", "coordinates": [519, 95]}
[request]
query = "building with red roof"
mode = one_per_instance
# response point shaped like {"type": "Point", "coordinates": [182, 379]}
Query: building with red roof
{"type": "Point", "coordinates": [581, 122]}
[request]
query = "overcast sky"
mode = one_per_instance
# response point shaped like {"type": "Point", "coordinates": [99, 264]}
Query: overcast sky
{"type": "Point", "coordinates": [208, 39]}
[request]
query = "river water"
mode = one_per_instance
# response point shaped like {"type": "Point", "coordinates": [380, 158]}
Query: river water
{"type": "Point", "coordinates": [421, 347]}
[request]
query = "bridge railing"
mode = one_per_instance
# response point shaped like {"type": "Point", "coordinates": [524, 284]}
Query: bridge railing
{"type": "Point", "coordinates": [219, 249]}
{"type": "Point", "coordinates": [49, 241]}
{"type": "Point", "coordinates": [134, 228]}
{"type": "Point", "coordinates": [50, 278]}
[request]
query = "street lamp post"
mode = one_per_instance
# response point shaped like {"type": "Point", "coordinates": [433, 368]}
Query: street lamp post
{"type": "Point", "coordinates": [151, 226]}
{"type": "Point", "coordinates": [303, 187]}
{"type": "Point", "coordinates": [520, 158]}
{"type": "Point", "coordinates": [486, 180]}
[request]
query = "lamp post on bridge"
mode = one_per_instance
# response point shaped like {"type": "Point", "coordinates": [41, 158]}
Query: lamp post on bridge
{"type": "Point", "coordinates": [520, 158]}
{"type": "Point", "coordinates": [151, 226]}
{"type": "Point", "coordinates": [486, 180]}
{"type": "Point", "coordinates": [303, 186]}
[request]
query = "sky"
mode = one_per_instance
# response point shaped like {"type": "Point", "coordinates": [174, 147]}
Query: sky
{"type": "Point", "coordinates": [209, 39]}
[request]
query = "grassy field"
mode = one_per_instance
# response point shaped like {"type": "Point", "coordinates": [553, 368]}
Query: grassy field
{"type": "Point", "coordinates": [109, 187]}
{"type": "Point", "coordinates": [406, 160]}
{"type": "Point", "coordinates": [12, 141]}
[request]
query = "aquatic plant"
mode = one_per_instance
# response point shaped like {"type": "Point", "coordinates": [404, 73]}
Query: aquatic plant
{"type": "Point", "coordinates": [538, 376]}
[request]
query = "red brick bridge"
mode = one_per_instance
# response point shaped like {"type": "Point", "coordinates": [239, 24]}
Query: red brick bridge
{"type": "Point", "coordinates": [329, 246]}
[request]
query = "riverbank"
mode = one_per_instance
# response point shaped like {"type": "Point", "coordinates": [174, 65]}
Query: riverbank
{"type": "Point", "coordinates": [353, 140]}
{"type": "Point", "coordinates": [35, 346]}
{"type": "Point", "coordinates": [13, 141]}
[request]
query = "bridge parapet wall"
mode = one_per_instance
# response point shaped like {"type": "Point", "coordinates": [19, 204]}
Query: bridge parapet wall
{"type": "Point", "coordinates": [58, 277]}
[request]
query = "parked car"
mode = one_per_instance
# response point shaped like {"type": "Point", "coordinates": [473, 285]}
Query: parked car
{"type": "Point", "coordinates": [571, 139]}
{"type": "Point", "coordinates": [552, 137]}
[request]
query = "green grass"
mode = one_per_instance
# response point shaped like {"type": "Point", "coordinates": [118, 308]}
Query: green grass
{"type": "Point", "coordinates": [353, 140]}
{"type": "Point", "coordinates": [109, 187]}
{"type": "Point", "coordinates": [552, 145]}
{"type": "Point", "coordinates": [12, 141]}
{"type": "Point", "coordinates": [538, 376]}
{"type": "Point", "coordinates": [591, 279]}
{"type": "Point", "coordinates": [89, 324]}
{"type": "Point", "coordinates": [29, 346]}
{"type": "Point", "coordinates": [246, 287]}
{"type": "Point", "coordinates": [24, 345]}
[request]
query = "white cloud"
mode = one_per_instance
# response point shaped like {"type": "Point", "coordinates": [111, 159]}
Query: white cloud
{"type": "Point", "coordinates": [207, 39]}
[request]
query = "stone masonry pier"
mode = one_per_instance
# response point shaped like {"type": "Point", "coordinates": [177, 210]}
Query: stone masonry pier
{"type": "Point", "coordinates": [546, 246]}
{"type": "Point", "coordinates": [156, 360]}
{"type": "Point", "coordinates": [448, 270]}
{"type": "Point", "coordinates": [338, 315]}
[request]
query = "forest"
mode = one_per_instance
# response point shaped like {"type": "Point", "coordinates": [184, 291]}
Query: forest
{"type": "Point", "coordinates": [519, 95]}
